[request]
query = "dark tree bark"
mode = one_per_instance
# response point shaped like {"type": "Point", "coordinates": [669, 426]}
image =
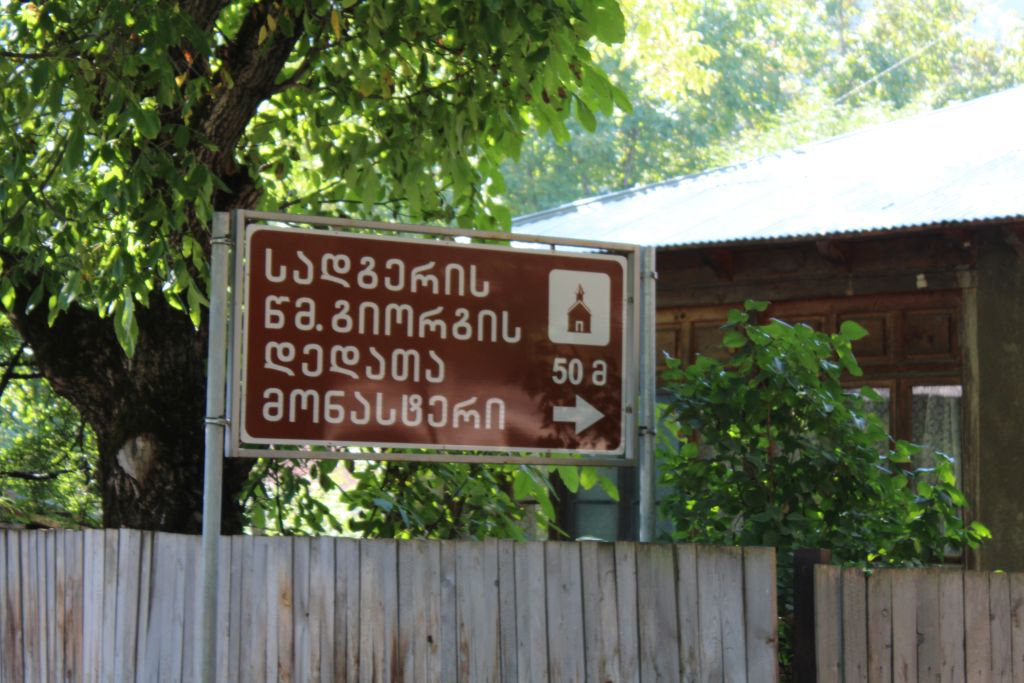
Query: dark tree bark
{"type": "Point", "coordinates": [148, 410]}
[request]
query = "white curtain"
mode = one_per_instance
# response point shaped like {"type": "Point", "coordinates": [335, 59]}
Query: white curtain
{"type": "Point", "coordinates": [936, 422]}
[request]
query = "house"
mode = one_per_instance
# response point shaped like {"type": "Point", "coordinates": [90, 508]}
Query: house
{"type": "Point", "coordinates": [579, 315]}
{"type": "Point", "coordinates": [913, 228]}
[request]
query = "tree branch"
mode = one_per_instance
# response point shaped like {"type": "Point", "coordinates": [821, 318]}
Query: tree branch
{"type": "Point", "coordinates": [12, 366]}
{"type": "Point", "coordinates": [33, 476]}
{"type": "Point", "coordinates": [251, 65]}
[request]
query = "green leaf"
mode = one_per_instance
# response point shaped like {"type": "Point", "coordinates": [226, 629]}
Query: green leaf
{"type": "Point", "coordinates": [734, 339]}
{"type": "Point", "coordinates": [523, 487]}
{"type": "Point", "coordinates": [605, 19]}
{"type": "Point", "coordinates": [570, 477]}
{"type": "Point", "coordinates": [75, 146]}
{"type": "Point", "coordinates": [852, 331]}
{"type": "Point", "coordinates": [588, 477]}
{"type": "Point", "coordinates": [585, 116]}
{"type": "Point", "coordinates": [148, 123]}
{"type": "Point", "coordinates": [609, 487]}
{"type": "Point", "coordinates": [7, 294]}
{"type": "Point", "coordinates": [736, 317]}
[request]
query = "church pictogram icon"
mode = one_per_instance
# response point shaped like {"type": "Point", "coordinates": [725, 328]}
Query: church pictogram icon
{"type": "Point", "coordinates": [579, 314]}
{"type": "Point", "coordinates": [579, 307]}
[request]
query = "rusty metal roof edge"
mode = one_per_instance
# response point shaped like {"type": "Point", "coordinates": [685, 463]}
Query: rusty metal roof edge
{"type": "Point", "coordinates": [847, 235]}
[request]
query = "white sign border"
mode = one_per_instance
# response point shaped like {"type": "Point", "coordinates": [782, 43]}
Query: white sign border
{"type": "Point", "coordinates": [245, 222]}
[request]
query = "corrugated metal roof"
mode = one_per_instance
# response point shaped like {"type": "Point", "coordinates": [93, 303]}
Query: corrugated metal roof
{"type": "Point", "coordinates": [964, 163]}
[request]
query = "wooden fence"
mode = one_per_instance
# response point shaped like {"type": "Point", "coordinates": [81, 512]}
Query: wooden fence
{"type": "Point", "coordinates": [123, 606]}
{"type": "Point", "coordinates": [917, 625]}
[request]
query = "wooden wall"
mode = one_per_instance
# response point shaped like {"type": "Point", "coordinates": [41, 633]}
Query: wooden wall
{"type": "Point", "coordinates": [917, 625]}
{"type": "Point", "coordinates": [123, 606]}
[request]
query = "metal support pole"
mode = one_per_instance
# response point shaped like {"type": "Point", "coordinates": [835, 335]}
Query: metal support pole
{"type": "Point", "coordinates": [216, 423]}
{"type": "Point", "coordinates": [646, 418]}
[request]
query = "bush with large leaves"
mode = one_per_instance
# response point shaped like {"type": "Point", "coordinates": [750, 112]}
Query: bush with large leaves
{"type": "Point", "coordinates": [770, 448]}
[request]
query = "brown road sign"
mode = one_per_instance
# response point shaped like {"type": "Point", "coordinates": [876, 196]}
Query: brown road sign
{"type": "Point", "coordinates": [357, 340]}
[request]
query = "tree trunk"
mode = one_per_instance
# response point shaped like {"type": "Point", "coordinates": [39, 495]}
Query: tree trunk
{"type": "Point", "coordinates": [147, 412]}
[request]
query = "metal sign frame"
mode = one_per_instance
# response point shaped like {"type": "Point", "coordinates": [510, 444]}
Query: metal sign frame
{"type": "Point", "coordinates": [241, 221]}
{"type": "Point", "coordinates": [223, 379]}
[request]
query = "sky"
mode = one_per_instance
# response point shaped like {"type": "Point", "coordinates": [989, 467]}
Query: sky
{"type": "Point", "coordinates": [998, 18]}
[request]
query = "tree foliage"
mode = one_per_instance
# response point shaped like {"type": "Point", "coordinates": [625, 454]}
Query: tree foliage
{"type": "Point", "coordinates": [124, 125]}
{"type": "Point", "coordinates": [382, 499]}
{"type": "Point", "coordinates": [723, 81]}
{"type": "Point", "coordinates": [47, 453]}
{"type": "Point", "coordinates": [773, 450]}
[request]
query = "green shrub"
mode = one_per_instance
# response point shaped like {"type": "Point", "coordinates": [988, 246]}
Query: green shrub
{"type": "Point", "coordinates": [770, 448]}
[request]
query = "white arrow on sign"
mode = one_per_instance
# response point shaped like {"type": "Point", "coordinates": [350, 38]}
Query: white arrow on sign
{"type": "Point", "coordinates": [583, 414]}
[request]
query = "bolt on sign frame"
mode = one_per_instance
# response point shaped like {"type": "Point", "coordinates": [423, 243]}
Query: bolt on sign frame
{"type": "Point", "coordinates": [537, 354]}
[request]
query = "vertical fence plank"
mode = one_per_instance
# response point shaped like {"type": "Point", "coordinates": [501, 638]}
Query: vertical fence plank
{"type": "Point", "coordinates": [734, 637]}
{"type": "Point", "coordinates": [321, 604]}
{"type": "Point", "coordinates": [449, 614]}
{"type": "Point", "coordinates": [977, 627]}
{"type": "Point", "coordinates": [145, 592]}
{"type": "Point", "coordinates": [880, 626]}
{"type": "Point", "coordinates": [284, 577]}
{"type": "Point", "coordinates": [172, 662]}
{"type": "Point", "coordinates": [65, 556]}
{"type": "Point", "coordinates": [656, 610]}
{"type": "Point", "coordinates": [126, 588]}
{"type": "Point", "coordinates": [12, 663]}
{"type": "Point", "coordinates": [60, 606]}
{"type": "Point", "coordinates": [191, 599]}
{"type": "Point", "coordinates": [301, 628]}
{"type": "Point", "coordinates": [711, 587]}
{"type": "Point", "coordinates": [273, 551]}
{"type": "Point", "coordinates": [419, 612]}
{"type": "Point", "coordinates": [111, 540]}
{"type": "Point", "coordinates": [507, 611]}
{"type": "Point", "coordinates": [248, 599]}
{"type": "Point", "coordinates": [30, 605]}
{"type": "Point", "coordinates": [346, 610]}
{"type": "Point", "coordinates": [720, 614]}
{"type": "Point", "coordinates": [255, 650]}
{"type": "Point", "coordinates": [531, 613]}
{"type": "Point", "coordinates": [158, 637]}
{"type": "Point", "coordinates": [626, 595]}
{"type": "Point", "coordinates": [476, 567]}
{"type": "Point", "coordinates": [760, 610]}
{"type": "Point", "coordinates": [904, 626]}
{"type": "Point", "coordinates": [600, 617]}
{"type": "Point", "coordinates": [222, 627]}
{"type": "Point", "coordinates": [565, 602]}
{"type": "Point", "coordinates": [93, 604]}
{"type": "Point", "coordinates": [687, 605]}
{"type": "Point", "coordinates": [43, 578]}
{"type": "Point", "coordinates": [378, 611]}
{"type": "Point", "coordinates": [1017, 624]}
{"type": "Point", "coordinates": [855, 627]}
{"type": "Point", "coordinates": [5, 625]}
{"type": "Point", "coordinates": [951, 624]}
{"type": "Point", "coordinates": [47, 604]}
{"type": "Point", "coordinates": [237, 581]}
{"type": "Point", "coordinates": [280, 575]}
{"type": "Point", "coordinates": [999, 613]}
{"type": "Point", "coordinates": [828, 622]}
{"type": "Point", "coordinates": [929, 649]}
{"type": "Point", "coordinates": [73, 606]}
{"type": "Point", "coordinates": [709, 616]}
